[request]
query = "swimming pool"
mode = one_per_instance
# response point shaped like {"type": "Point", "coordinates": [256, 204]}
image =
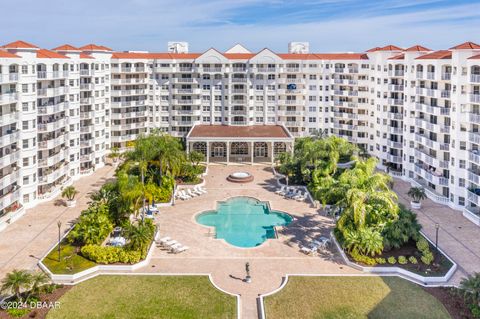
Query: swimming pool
{"type": "Point", "coordinates": [244, 221]}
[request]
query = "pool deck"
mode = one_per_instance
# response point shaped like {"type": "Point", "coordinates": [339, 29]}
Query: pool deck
{"type": "Point", "coordinates": [269, 262]}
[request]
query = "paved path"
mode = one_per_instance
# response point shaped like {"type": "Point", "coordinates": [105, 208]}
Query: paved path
{"type": "Point", "coordinates": [23, 242]}
{"type": "Point", "coordinates": [458, 237]}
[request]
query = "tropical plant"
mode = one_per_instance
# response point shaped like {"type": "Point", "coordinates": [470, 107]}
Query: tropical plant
{"type": "Point", "coordinates": [114, 153]}
{"type": "Point", "coordinates": [470, 291]}
{"type": "Point", "coordinates": [417, 194]}
{"type": "Point", "coordinates": [413, 260]}
{"type": "Point", "coordinates": [422, 245]}
{"type": "Point", "coordinates": [427, 257]}
{"type": "Point", "coordinates": [69, 193]}
{"type": "Point", "coordinates": [38, 280]}
{"type": "Point", "coordinates": [196, 157]}
{"type": "Point", "coordinates": [402, 260]}
{"type": "Point", "coordinates": [16, 282]}
{"type": "Point", "coordinates": [93, 226]}
{"type": "Point", "coordinates": [391, 260]}
{"type": "Point", "coordinates": [139, 236]}
{"type": "Point", "coordinates": [399, 231]}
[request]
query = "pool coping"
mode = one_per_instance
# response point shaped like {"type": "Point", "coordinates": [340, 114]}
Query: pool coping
{"type": "Point", "coordinates": [212, 228]}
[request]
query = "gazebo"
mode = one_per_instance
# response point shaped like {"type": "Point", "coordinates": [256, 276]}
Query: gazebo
{"type": "Point", "coordinates": [240, 144]}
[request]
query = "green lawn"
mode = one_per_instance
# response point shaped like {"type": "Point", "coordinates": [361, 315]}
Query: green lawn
{"type": "Point", "coordinates": [145, 297]}
{"type": "Point", "coordinates": [353, 297]}
{"type": "Point", "coordinates": [70, 263]}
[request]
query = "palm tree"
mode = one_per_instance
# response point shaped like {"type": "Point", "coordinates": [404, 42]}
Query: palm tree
{"type": "Point", "coordinates": [470, 289]}
{"type": "Point", "coordinates": [69, 192]}
{"type": "Point", "coordinates": [15, 282]}
{"type": "Point", "coordinates": [38, 280]}
{"type": "Point", "coordinates": [417, 194]}
{"type": "Point", "coordinates": [196, 157]}
{"type": "Point", "coordinates": [139, 236]}
{"type": "Point", "coordinates": [287, 165]}
{"type": "Point", "coordinates": [114, 153]}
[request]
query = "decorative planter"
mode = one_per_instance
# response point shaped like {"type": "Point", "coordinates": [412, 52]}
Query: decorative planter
{"type": "Point", "coordinates": [71, 203]}
{"type": "Point", "coordinates": [415, 205]}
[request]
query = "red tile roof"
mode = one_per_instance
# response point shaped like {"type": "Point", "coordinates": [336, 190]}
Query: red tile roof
{"type": "Point", "coordinates": [475, 57]}
{"type": "Point", "coordinates": [85, 56]}
{"type": "Point", "coordinates": [437, 55]}
{"type": "Point", "coordinates": [390, 48]}
{"type": "Point", "coordinates": [374, 49]}
{"type": "Point", "coordinates": [5, 54]}
{"type": "Point", "coordinates": [20, 45]}
{"type": "Point", "coordinates": [66, 47]}
{"type": "Point", "coordinates": [94, 47]}
{"type": "Point", "coordinates": [466, 46]}
{"type": "Point", "coordinates": [226, 131]}
{"type": "Point", "coordinates": [417, 48]}
{"type": "Point", "coordinates": [47, 54]}
{"type": "Point", "coordinates": [398, 57]}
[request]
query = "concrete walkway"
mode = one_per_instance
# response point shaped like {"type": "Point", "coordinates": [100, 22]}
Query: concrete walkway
{"type": "Point", "coordinates": [457, 236]}
{"type": "Point", "coordinates": [23, 242]}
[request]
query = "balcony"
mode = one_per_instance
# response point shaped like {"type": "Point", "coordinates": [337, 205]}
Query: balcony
{"type": "Point", "coordinates": [474, 156]}
{"type": "Point", "coordinates": [53, 108]}
{"type": "Point", "coordinates": [446, 76]}
{"type": "Point", "coordinates": [399, 73]}
{"type": "Point", "coordinates": [394, 144]}
{"type": "Point", "coordinates": [475, 98]}
{"type": "Point", "coordinates": [395, 87]}
{"type": "Point", "coordinates": [52, 143]}
{"type": "Point", "coordinates": [9, 178]}
{"type": "Point", "coordinates": [7, 78]}
{"type": "Point", "coordinates": [239, 80]}
{"type": "Point", "coordinates": [10, 137]}
{"type": "Point", "coordinates": [474, 137]}
{"type": "Point", "coordinates": [395, 116]}
{"type": "Point", "coordinates": [394, 159]}
{"type": "Point", "coordinates": [430, 175]}
{"type": "Point", "coordinates": [10, 198]}
{"type": "Point", "coordinates": [430, 75]}
{"type": "Point", "coordinates": [127, 115]}
{"type": "Point", "coordinates": [87, 72]}
{"type": "Point", "coordinates": [392, 101]}
{"type": "Point", "coordinates": [53, 175]}
{"type": "Point", "coordinates": [7, 98]}
{"type": "Point", "coordinates": [52, 126]}
{"type": "Point", "coordinates": [475, 78]}
{"type": "Point", "coordinates": [9, 118]}
{"type": "Point", "coordinates": [437, 110]}
{"type": "Point", "coordinates": [52, 160]}
{"type": "Point", "coordinates": [86, 86]}
{"type": "Point", "coordinates": [473, 197]}
{"type": "Point", "coordinates": [474, 176]}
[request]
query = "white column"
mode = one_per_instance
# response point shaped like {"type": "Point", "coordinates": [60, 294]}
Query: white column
{"type": "Point", "coordinates": [272, 144]}
{"type": "Point", "coordinates": [228, 152]}
{"type": "Point", "coordinates": [208, 153]}
{"type": "Point", "coordinates": [251, 151]}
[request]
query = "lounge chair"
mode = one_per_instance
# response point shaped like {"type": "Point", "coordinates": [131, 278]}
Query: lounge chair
{"type": "Point", "coordinates": [307, 250]}
{"type": "Point", "coordinates": [302, 197]}
{"type": "Point", "coordinates": [185, 195]}
{"type": "Point", "coordinates": [293, 194]}
{"type": "Point", "coordinates": [196, 191]}
{"type": "Point", "coordinates": [297, 195]}
{"type": "Point", "coordinates": [200, 189]}
{"type": "Point", "coordinates": [179, 249]}
{"type": "Point", "coordinates": [280, 190]}
{"type": "Point", "coordinates": [175, 246]}
{"type": "Point", "coordinates": [170, 243]}
{"type": "Point", "coordinates": [163, 240]}
{"type": "Point", "coordinates": [189, 192]}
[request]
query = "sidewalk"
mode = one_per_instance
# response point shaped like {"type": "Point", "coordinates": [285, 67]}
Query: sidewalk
{"type": "Point", "coordinates": [457, 236]}
{"type": "Point", "coordinates": [23, 242]}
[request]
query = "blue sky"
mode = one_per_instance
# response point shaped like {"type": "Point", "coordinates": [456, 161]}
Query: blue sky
{"type": "Point", "coordinates": [329, 26]}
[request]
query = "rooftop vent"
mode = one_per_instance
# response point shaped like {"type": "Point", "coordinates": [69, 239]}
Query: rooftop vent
{"type": "Point", "coordinates": [178, 47]}
{"type": "Point", "coordinates": [298, 47]}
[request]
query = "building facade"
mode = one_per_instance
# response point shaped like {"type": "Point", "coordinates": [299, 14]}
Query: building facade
{"type": "Point", "coordinates": [415, 109]}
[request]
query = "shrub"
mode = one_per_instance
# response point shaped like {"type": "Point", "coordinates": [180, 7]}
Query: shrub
{"type": "Point", "coordinates": [413, 260]}
{"type": "Point", "coordinates": [392, 260]}
{"type": "Point", "coordinates": [17, 312]}
{"type": "Point", "coordinates": [363, 259]}
{"type": "Point", "coordinates": [402, 260]}
{"type": "Point", "coordinates": [422, 245]}
{"type": "Point", "coordinates": [381, 261]}
{"type": "Point", "coordinates": [110, 254]}
{"type": "Point", "coordinates": [427, 258]}
{"type": "Point", "coordinates": [475, 310]}
{"type": "Point", "coordinates": [399, 231]}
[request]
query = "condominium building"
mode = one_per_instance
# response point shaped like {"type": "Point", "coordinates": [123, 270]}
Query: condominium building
{"type": "Point", "coordinates": [416, 109]}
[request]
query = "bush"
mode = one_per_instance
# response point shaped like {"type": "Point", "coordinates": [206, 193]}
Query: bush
{"type": "Point", "coordinates": [17, 312]}
{"type": "Point", "coordinates": [413, 260]}
{"type": "Point", "coordinates": [381, 261]}
{"type": "Point", "coordinates": [392, 260]}
{"type": "Point", "coordinates": [363, 259]}
{"type": "Point", "coordinates": [475, 310]}
{"type": "Point", "coordinates": [399, 231]}
{"type": "Point", "coordinates": [402, 260]}
{"type": "Point", "coordinates": [427, 258]}
{"type": "Point", "coordinates": [110, 254]}
{"type": "Point", "coordinates": [422, 245]}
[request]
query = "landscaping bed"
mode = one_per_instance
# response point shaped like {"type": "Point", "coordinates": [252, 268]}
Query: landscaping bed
{"type": "Point", "coordinates": [453, 302]}
{"type": "Point", "coordinates": [438, 268]}
{"type": "Point", "coordinates": [71, 261]}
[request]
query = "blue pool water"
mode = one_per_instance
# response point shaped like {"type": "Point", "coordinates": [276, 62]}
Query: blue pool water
{"type": "Point", "coordinates": [244, 221]}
